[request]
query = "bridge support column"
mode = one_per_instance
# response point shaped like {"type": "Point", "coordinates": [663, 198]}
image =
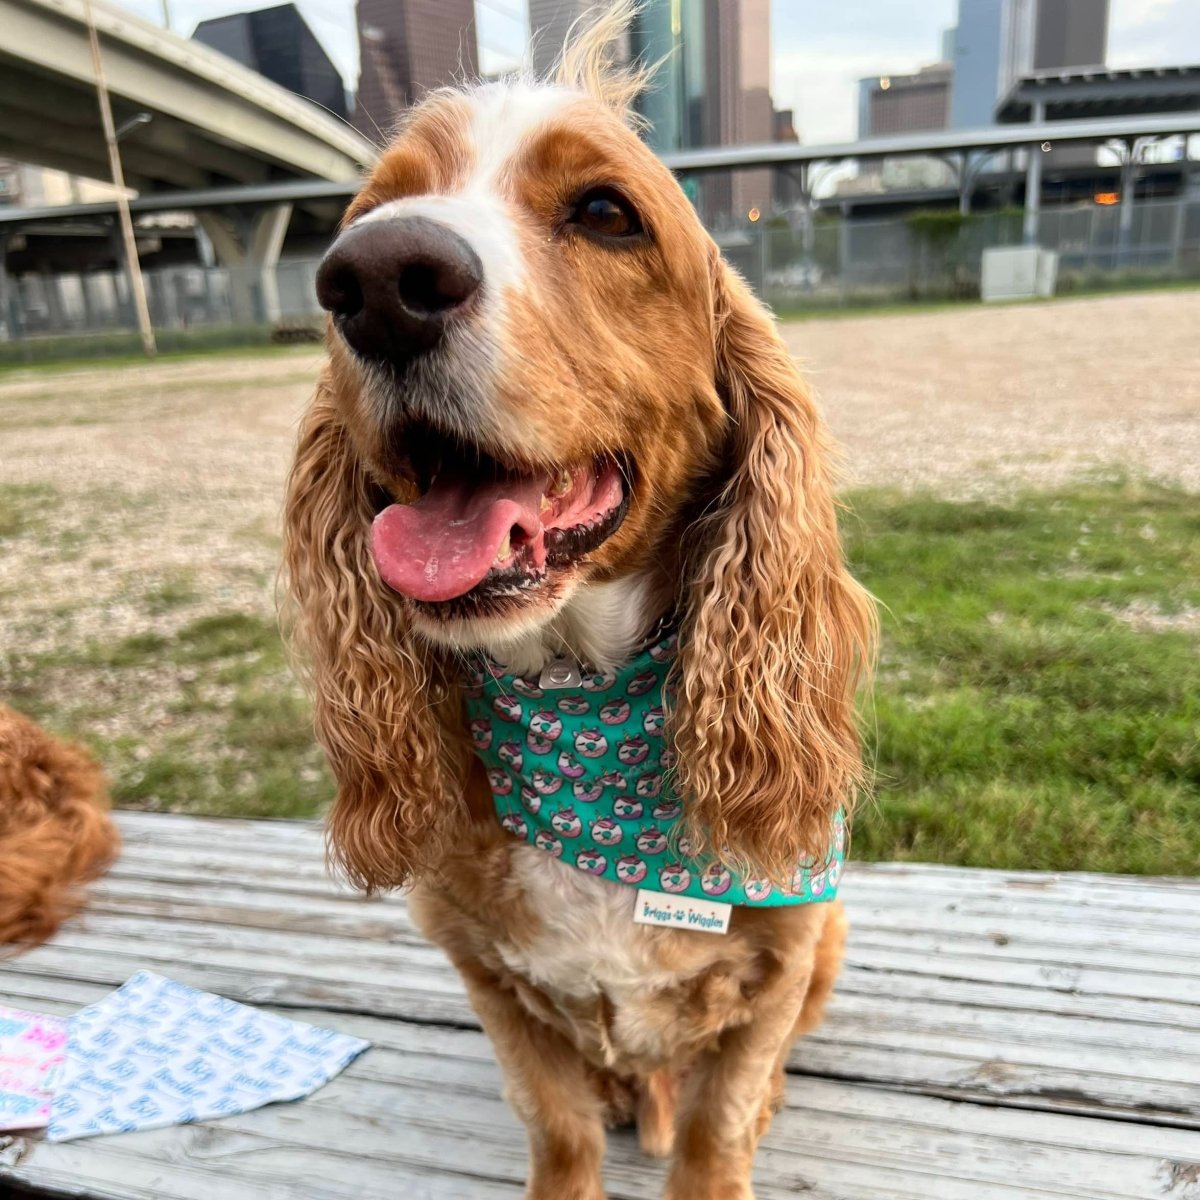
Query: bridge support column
{"type": "Point", "coordinates": [1033, 180]}
{"type": "Point", "coordinates": [9, 328]}
{"type": "Point", "coordinates": [248, 245]}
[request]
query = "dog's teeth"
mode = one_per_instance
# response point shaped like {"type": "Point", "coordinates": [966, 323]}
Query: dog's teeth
{"type": "Point", "coordinates": [562, 485]}
{"type": "Point", "coordinates": [546, 504]}
{"type": "Point", "coordinates": [505, 548]}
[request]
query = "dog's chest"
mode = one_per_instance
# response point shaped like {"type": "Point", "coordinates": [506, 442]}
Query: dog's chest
{"type": "Point", "coordinates": [623, 988]}
{"type": "Point", "coordinates": [586, 941]}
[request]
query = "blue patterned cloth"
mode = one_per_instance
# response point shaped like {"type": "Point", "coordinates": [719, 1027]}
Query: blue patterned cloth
{"type": "Point", "coordinates": [585, 775]}
{"type": "Point", "coordinates": [157, 1053]}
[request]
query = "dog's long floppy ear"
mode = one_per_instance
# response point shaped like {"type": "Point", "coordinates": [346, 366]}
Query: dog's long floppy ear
{"type": "Point", "coordinates": [775, 632]}
{"type": "Point", "coordinates": [381, 702]}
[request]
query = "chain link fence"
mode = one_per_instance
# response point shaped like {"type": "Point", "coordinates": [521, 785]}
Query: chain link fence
{"type": "Point", "coordinates": [796, 259]}
{"type": "Point", "coordinates": [816, 259]}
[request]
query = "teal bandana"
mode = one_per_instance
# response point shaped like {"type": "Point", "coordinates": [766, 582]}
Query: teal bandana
{"type": "Point", "coordinates": [583, 772]}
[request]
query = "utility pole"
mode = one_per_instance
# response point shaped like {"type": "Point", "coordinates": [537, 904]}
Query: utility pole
{"type": "Point", "coordinates": [133, 268]}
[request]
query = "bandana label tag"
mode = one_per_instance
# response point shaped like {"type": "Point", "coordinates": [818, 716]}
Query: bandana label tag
{"type": "Point", "coordinates": [681, 912]}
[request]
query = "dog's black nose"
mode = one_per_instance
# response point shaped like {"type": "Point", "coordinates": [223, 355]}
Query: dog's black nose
{"type": "Point", "coordinates": [395, 286]}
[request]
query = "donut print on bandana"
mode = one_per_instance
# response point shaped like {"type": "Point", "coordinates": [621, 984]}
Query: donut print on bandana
{"type": "Point", "coordinates": [586, 776]}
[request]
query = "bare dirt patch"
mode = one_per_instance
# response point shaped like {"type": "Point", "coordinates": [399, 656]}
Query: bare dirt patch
{"type": "Point", "coordinates": [974, 400]}
{"type": "Point", "coordinates": [138, 505]}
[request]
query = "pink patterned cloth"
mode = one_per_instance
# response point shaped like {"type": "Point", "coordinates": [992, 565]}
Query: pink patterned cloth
{"type": "Point", "coordinates": [32, 1049]}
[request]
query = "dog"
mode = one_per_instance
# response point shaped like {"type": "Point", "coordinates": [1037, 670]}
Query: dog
{"type": "Point", "coordinates": [560, 471]}
{"type": "Point", "coordinates": [56, 833]}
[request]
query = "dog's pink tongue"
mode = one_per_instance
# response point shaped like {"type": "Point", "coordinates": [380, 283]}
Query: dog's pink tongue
{"type": "Point", "coordinates": [442, 545]}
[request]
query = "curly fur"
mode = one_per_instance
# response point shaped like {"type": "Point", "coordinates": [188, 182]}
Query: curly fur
{"type": "Point", "coordinates": [55, 831]}
{"type": "Point", "coordinates": [376, 690]}
{"type": "Point", "coordinates": [776, 632]}
{"type": "Point", "coordinates": [659, 352]}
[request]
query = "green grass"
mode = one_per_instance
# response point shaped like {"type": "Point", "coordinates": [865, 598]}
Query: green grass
{"type": "Point", "coordinates": [1022, 718]}
{"type": "Point", "coordinates": [888, 305]}
{"type": "Point", "coordinates": [20, 505]}
{"type": "Point", "coordinates": [1018, 720]}
{"type": "Point", "coordinates": [50, 355]}
{"type": "Point", "coordinates": [238, 737]}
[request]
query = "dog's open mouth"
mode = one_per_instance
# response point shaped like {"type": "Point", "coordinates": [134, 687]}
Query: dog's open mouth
{"type": "Point", "coordinates": [483, 531]}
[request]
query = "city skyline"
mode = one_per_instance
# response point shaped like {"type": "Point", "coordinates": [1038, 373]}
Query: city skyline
{"type": "Point", "coordinates": [820, 52]}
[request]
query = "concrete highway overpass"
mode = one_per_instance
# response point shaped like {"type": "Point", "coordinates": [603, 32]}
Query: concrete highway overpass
{"type": "Point", "coordinates": [213, 122]}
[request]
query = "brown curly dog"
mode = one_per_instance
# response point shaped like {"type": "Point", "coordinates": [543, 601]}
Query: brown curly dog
{"type": "Point", "coordinates": [55, 831]}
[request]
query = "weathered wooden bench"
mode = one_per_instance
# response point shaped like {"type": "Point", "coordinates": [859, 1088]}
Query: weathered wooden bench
{"type": "Point", "coordinates": [994, 1035]}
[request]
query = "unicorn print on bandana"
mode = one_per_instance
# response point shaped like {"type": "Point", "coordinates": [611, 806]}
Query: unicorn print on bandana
{"type": "Point", "coordinates": [591, 861]}
{"type": "Point", "coordinates": [591, 743]}
{"type": "Point", "coordinates": [510, 755]}
{"type": "Point", "coordinates": [566, 823]}
{"type": "Point", "coordinates": [545, 840]}
{"type": "Point", "coordinates": [652, 841]}
{"type": "Point", "coordinates": [529, 690]}
{"type": "Point", "coordinates": [615, 712]}
{"type": "Point", "coordinates": [515, 824]}
{"type": "Point", "coordinates": [569, 765]}
{"type": "Point", "coordinates": [545, 782]}
{"type": "Point", "coordinates": [591, 769]}
{"type": "Point", "coordinates": [606, 832]}
{"type": "Point", "coordinates": [627, 808]}
{"type": "Point", "coordinates": [631, 869]}
{"type": "Point", "coordinates": [652, 722]}
{"type": "Point", "coordinates": [633, 750]}
{"type": "Point", "coordinates": [674, 878]}
{"type": "Point", "coordinates": [587, 790]}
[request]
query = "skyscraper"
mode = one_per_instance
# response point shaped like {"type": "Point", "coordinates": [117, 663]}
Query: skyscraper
{"type": "Point", "coordinates": [892, 104]}
{"type": "Point", "coordinates": [1070, 33]}
{"type": "Point", "coordinates": [998, 41]}
{"type": "Point", "coordinates": [407, 48]}
{"type": "Point", "coordinates": [276, 42]}
{"type": "Point", "coordinates": [549, 23]}
{"type": "Point", "coordinates": [712, 87]}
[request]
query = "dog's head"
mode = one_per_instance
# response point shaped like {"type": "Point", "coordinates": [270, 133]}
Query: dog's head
{"type": "Point", "coordinates": [523, 352]}
{"type": "Point", "coordinates": [543, 377]}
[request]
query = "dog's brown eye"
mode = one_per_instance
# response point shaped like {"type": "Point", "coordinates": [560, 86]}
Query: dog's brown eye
{"type": "Point", "coordinates": [606, 213]}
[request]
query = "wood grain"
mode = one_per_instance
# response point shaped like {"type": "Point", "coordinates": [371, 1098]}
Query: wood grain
{"type": "Point", "coordinates": [995, 1035]}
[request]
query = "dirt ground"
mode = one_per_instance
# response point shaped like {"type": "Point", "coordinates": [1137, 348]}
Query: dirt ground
{"type": "Point", "coordinates": [168, 476]}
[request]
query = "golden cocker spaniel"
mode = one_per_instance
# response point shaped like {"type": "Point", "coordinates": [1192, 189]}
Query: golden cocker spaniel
{"type": "Point", "coordinates": [557, 440]}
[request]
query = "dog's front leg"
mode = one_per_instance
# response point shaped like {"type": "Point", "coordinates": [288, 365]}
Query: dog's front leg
{"type": "Point", "coordinates": [727, 1100]}
{"type": "Point", "coordinates": [547, 1085]}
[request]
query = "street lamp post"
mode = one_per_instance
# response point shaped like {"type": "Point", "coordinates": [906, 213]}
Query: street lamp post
{"type": "Point", "coordinates": [133, 268]}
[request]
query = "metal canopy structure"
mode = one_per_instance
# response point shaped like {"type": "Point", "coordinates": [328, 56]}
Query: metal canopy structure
{"type": "Point", "coordinates": [937, 143]}
{"type": "Point", "coordinates": [716, 158]}
{"type": "Point", "coordinates": [1098, 93]}
{"type": "Point", "coordinates": [197, 119]}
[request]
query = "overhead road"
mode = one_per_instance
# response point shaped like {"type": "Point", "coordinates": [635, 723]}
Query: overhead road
{"type": "Point", "coordinates": [212, 122]}
{"type": "Point", "coordinates": [935, 144]}
{"type": "Point", "coordinates": [296, 191]}
{"type": "Point", "coordinates": [714, 158]}
{"type": "Point", "coordinates": [193, 120]}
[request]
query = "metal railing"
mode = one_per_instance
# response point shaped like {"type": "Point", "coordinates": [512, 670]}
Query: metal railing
{"type": "Point", "coordinates": [793, 259]}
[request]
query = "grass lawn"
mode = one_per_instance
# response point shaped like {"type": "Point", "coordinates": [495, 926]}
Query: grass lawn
{"type": "Point", "coordinates": [1037, 704]}
{"type": "Point", "coordinates": [1038, 697]}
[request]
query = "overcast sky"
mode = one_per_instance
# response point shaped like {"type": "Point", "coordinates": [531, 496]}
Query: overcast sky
{"type": "Point", "coordinates": [820, 49]}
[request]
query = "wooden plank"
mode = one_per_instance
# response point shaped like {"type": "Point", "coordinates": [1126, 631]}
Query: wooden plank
{"type": "Point", "coordinates": [959, 1012]}
{"type": "Point", "coordinates": [420, 1114]}
{"type": "Point", "coordinates": [888, 882]}
{"type": "Point", "coordinates": [1013, 991]}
